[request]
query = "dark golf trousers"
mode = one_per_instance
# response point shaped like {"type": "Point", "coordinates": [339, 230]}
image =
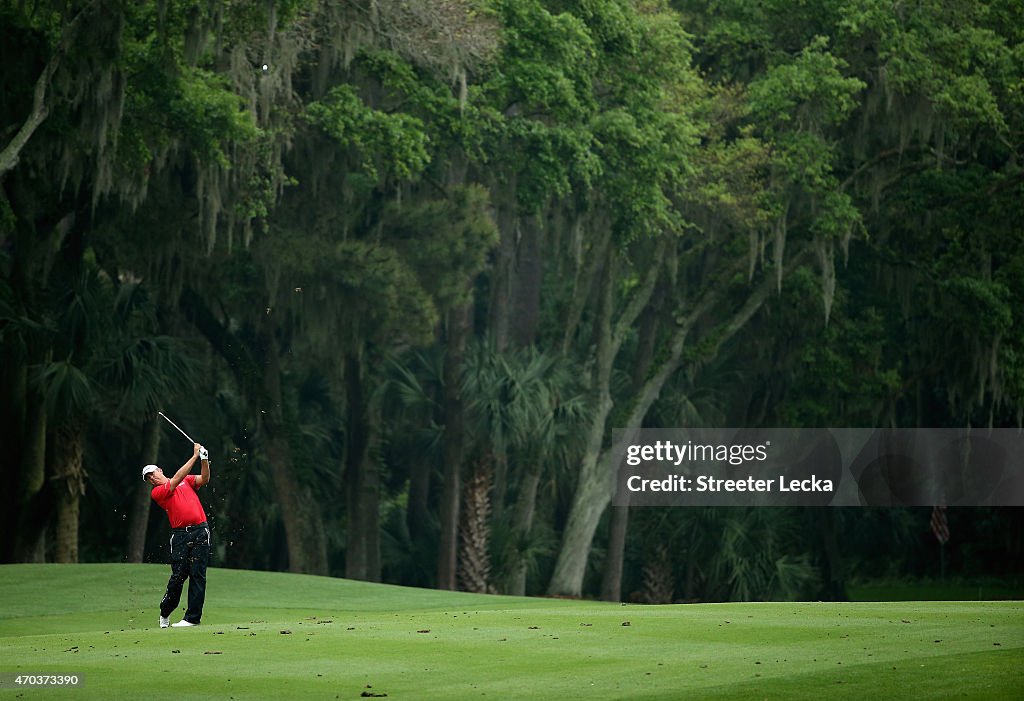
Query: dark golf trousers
{"type": "Point", "coordinates": [190, 551]}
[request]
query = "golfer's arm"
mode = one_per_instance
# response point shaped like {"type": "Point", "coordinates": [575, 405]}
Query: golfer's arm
{"type": "Point", "coordinates": [204, 475]}
{"type": "Point", "coordinates": [181, 474]}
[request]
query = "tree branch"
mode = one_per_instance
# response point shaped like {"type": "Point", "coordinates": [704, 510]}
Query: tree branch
{"type": "Point", "coordinates": [9, 156]}
{"type": "Point", "coordinates": [867, 165]}
{"type": "Point", "coordinates": [754, 302]}
{"type": "Point", "coordinates": [40, 110]}
{"type": "Point", "coordinates": [582, 285]}
{"type": "Point", "coordinates": [246, 369]}
{"type": "Point", "coordinates": [652, 387]}
{"type": "Point", "coordinates": [640, 298]}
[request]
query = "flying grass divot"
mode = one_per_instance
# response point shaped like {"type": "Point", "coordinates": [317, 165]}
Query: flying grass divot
{"type": "Point", "coordinates": [347, 638]}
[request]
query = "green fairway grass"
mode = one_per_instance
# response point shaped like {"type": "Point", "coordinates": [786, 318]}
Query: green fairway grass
{"type": "Point", "coordinates": [274, 636]}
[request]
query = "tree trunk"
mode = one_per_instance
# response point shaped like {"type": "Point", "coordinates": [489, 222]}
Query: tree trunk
{"type": "Point", "coordinates": [355, 463]}
{"type": "Point", "coordinates": [300, 515]}
{"type": "Point", "coordinates": [587, 276]}
{"type": "Point", "coordinates": [474, 569]}
{"type": "Point", "coordinates": [835, 587]}
{"type": "Point", "coordinates": [30, 534]}
{"type": "Point", "coordinates": [589, 500]}
{"type": "Point", "coordinates": [69, 475]}
{"type": "Point", "coordinates": [611, 583]}
{"type": "Point", "coordinates": [526, 284]}
{"type": "Point", "coordinates": [524, 299]}
{"type": "Point", "coordinates": [138, 519]}
{"type": "Point", "coordinates": [13, 433]}
{"type": "Point", "coordinates": [500, 302]}
{"type": "Point", "coordinates": [371, 513]}
{"type": "Point", "coordinates": [500, 485]}
{"type": "Point", "coordinates": [371, 488]}
{"type": "Point", "coordinates": [453, 449]}
{"type": "Point", "coordinates": [303, 524]}
{"type": "Point", "coordinates": [658, 579]}
{"type": "Point", "coordinates": [522, 524]}
{"type": "Point", "coordinates": [362, 480]}
{"type": "Point", "coordinates": [596, 481]}
{"type": "Point", "coordinates": [647, 341]}
{"type": "Point", "coordinates": [416, 513]}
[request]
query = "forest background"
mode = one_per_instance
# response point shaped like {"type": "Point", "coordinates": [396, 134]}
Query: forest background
{"type": "Point", "coordinates": [403, 266]}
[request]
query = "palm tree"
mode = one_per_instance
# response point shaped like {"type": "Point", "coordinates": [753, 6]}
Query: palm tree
{"type": "Point", "coordinates": [82, 324]}
{"type": "Point", "coordinates": [412, 401]}
{"type": "Point", "coordinates": [525, 408]}
{"type": "Point", "coordinates": [729, 554]}
{"type": "Point", "coordinates": [105, 358]}
{"type": "Point", "coordinates": [70, 395]}
{"type": "Point", "coordinates": [24, 342]}
{"type": "Point", "coordinates": [142, 371]}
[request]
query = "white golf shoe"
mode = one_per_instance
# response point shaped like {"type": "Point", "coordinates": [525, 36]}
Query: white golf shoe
{"type": "Point", "coordinates": [164, 621]}
{"type": "Point", "coordinates": [183, 624]}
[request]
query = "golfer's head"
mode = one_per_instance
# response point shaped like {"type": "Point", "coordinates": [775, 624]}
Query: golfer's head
{"type": "Point", "coordinates": [153, 474]}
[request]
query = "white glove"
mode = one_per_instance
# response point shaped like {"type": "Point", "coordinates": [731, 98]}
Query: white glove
{"type": "Point", "coordinates": [204, 454]}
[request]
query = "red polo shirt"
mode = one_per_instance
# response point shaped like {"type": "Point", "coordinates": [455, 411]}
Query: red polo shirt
{"type": "Point", "coordinates": [182, 505]}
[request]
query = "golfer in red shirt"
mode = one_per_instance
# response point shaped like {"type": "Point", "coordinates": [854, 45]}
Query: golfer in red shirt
{"type": "Point", "coordinates": [190, 535]}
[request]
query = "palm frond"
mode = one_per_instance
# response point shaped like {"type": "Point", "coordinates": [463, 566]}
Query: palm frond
{"type": "Point", "coordinates": [66, 389]}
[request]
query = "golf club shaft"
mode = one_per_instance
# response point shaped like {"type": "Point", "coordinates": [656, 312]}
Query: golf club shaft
{"type": "Point", "coordinates": [176, 426]}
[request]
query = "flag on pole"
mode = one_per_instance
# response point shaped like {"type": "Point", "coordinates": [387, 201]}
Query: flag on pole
{"type": "Point", "coordinates": [940, 527]}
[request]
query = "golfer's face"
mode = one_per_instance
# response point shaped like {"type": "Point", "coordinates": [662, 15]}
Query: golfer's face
{"type": "Point", "coordinates": [156, 473]}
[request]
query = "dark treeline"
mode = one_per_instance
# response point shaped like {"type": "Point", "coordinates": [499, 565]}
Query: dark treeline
{"type": "Point", "coordinates": [403, 266]}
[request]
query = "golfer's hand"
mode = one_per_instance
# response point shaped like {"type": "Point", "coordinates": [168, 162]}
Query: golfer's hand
{"type": "Point", "coordinates": [204, 454]}
{"type": "Point", "coordinates": [195, 450]}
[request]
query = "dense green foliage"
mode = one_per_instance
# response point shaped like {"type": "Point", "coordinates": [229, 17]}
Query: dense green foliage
{"type": "Point", "coordinates": [377, 256]}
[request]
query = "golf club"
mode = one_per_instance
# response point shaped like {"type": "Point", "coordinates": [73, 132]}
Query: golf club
{"type": "Point", "coordinates": [176, 426]}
